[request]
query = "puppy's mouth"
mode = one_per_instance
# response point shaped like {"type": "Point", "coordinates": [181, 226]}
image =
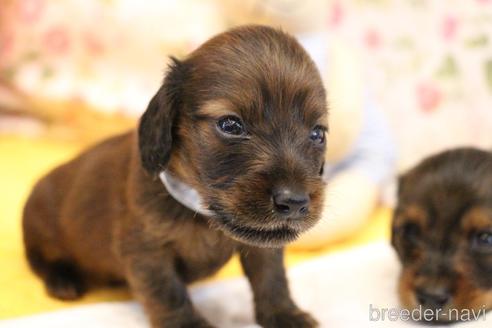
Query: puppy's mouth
{"type": "Point", "coordinates": [257, 236]}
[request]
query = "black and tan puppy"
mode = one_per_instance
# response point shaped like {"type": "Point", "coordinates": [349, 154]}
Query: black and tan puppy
{"type": "Point", "coordinates": [442, 231]}
{"type": "Point", "coordinates": [236, 132]}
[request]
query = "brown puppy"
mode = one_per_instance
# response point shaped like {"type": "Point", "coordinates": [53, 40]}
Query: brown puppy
{"type": "Point", "coordinates": [237, 132]}
{"type": "Point", "coordinates": [442, 231]}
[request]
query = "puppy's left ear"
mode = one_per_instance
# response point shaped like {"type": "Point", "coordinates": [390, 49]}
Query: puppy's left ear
{"type": "Point", "coordinates": [155, 130]}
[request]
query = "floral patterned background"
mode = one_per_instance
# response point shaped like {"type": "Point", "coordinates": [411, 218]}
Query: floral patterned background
{"type": "Point", "coordinates": [429, 63]}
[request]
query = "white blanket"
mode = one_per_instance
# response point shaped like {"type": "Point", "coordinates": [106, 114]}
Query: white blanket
{"type": "Point", "coordinates": [337, 289]}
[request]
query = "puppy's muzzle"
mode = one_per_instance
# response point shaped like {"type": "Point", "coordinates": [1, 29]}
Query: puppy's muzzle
{"type": "Point", "coordinates": [290, 203]}
{"type": "Point", "coordinates": [433, 297]}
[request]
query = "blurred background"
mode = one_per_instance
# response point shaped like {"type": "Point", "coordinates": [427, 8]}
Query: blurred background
{"type": "Point", "coordinates": [75, 71]}
{"type": "Point", "coordinates": [428, 63]}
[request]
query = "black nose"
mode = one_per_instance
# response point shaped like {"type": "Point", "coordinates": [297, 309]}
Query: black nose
{"type": "Point", "coordinates": [290, 204]}
{"type": "Point", "coordinates": [433, 298]}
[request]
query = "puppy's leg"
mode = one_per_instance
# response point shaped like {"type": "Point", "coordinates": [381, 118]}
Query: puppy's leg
{"type": "Point", "coordinates": [44, 250]}
{"type": "Point", "coordinates": [61, 277]}
{"type": "Point", "coordinates": [154, 281]}
{"type": "Point", "coordinates": [274, 307]}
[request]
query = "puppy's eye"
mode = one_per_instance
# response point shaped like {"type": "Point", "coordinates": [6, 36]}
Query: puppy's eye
{"type": "Point", "coordinates": [317, 135]}
{"type": "Point", "coordinates": [482, 240]}
{"type": "Point", "coordinates": [411, 231]}
{"type": "Point", "coordinates": [231, 125]}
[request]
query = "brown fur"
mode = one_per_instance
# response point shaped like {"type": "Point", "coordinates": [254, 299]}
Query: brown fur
{"type": "Point", "coordinates": [444, 202]}
{"type": "Point", "coordinates": [105, 217]}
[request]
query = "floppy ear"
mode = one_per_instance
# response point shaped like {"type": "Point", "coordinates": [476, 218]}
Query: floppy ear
{"type": "Point", "coordinates": [155, 130]}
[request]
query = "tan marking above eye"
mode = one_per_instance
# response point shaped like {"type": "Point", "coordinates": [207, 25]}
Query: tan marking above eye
{"type": "Point", "coordinates": [412, 213]}
{"type": "Point", "coordinates": [217, 108]}
{"type": "Point", "coordinates": [476, 219]}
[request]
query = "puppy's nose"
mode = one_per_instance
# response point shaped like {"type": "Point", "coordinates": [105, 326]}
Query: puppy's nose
{"type": "Point", "coordinates": [433, 298]}
{"type": "Point", "coordinates": [291, 204]}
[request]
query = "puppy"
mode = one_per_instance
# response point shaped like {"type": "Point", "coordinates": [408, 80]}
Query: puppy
{"type": "Point", "coordinates": [227, 158]}
{"type": "Point", "coordinates": [442, 232]}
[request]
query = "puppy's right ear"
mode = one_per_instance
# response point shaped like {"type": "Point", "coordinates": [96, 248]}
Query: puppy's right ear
{"type": "Point", "coordinates": [155, 130]}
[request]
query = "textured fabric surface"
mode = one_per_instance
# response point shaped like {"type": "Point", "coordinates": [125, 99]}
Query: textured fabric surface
{"type": "Point", "coordinates": [338, 290]}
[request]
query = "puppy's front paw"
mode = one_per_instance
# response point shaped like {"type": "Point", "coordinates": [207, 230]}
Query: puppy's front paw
{"type": "Point", "coordinates": [287, 319]}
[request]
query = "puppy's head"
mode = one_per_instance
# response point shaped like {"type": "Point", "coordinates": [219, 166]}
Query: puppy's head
{"type": "Point", "coordinates": [243, 121]}
{"type": "Point", "coordinates": [442, 232]}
